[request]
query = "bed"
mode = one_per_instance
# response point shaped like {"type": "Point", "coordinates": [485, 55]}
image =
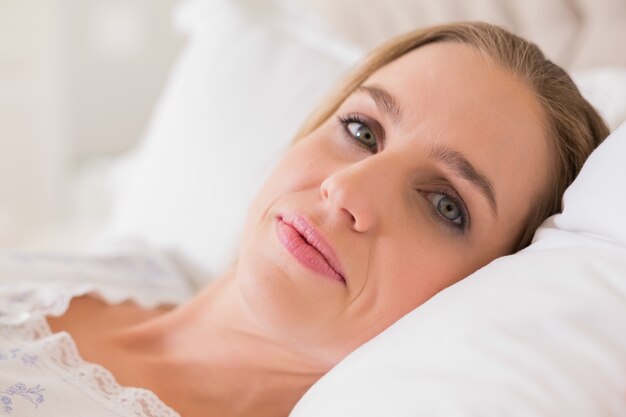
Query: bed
{"type": "Point", "coordinates": [538, 333]}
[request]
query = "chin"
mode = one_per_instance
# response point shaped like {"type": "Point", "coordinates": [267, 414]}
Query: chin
{"type": "Point", "coordinates": [292, 308]}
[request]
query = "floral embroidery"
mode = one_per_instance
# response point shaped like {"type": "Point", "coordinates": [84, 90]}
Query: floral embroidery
{"type": "Point", "coordinates": [12, 354]}
{"type": "Point", "coordinates": [7, 403]}
{"type": "Point", "coordinates": [26, 358]}
{"type": "Point", "coordinates": [33, 395]}
{"type": "Point", "coordinates": [30, 360]}
{"type": "Point", "coordinates": [21, 297]}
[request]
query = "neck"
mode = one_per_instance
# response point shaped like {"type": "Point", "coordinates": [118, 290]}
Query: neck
{"type": "Point", "coordinates": [210, 357]}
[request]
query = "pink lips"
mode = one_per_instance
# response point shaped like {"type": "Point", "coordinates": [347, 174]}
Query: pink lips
{"type": "Point", "coordinates": [300, 239]}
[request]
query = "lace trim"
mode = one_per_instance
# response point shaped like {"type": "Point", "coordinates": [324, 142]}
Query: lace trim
{"type": "Point", "coordinates": [93, 379]}
{"type": "Point", "coordinates": [53, 299]}
{"type": "Point", "coordinates": [99, 383]}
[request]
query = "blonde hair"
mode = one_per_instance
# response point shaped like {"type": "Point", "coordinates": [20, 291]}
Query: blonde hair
{"type": "Point", "coordinates": [573, 125]}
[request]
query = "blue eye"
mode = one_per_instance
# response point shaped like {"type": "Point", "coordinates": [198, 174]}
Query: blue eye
{"type": "Point", "coordinates": [448, 208]}
{"type": "Point", "coordinates": [359, 131]}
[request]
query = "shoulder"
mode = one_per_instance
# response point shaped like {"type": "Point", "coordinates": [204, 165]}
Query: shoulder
{"type": "Point", "coordinates": [89, 320]}
{"type": "Point", "coordinates": [42, 373]}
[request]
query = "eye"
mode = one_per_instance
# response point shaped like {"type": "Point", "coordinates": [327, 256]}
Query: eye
{"type": "Point", "coordinates": [358, 130]}
{"type": "Point", "coordinates": [449, 208]}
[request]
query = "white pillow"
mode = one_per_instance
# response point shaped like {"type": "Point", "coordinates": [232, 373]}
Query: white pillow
{"type": "Point", "coordinates": [240, 90]}
{"type": "Point", "coordinates": [605, 88]}
{"type": "Point", "coordinates": [539, 333]}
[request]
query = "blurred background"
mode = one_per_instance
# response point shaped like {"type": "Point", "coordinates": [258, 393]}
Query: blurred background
{"type": "Point", "coordinates": [80, 79]}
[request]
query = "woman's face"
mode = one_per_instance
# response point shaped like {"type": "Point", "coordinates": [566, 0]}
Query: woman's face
{"type": "Point", "coordinates": [423, 175]}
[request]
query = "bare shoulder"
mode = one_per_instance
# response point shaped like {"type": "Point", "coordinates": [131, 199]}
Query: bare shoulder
{"type": "Point", "coordinates": [89, 312]}
{"type": "Point", "coordinates": [91, 321]}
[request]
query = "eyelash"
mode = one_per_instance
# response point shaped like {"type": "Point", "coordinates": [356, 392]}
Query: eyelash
{"type": "Point", "coordinates": [347, 119]}
{"type": "Point", "coordinates": [458, 202]}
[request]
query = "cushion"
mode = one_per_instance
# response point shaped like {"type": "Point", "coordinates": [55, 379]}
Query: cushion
{"type": "Point", "coordinates": [239, 92]}
{"type": "Point", "coordinates": [605, 88]}
{"type": "Point", "coordinates": [538, 333]}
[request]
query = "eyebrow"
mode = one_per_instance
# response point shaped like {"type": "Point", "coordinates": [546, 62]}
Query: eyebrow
{"type": "Point", "coordinates": [464, 169]}
{"type": "Point", "coordinates": [383, 100]}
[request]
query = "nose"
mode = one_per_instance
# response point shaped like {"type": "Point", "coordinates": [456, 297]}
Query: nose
{"type": "Point", "coordinates": [355, 194]}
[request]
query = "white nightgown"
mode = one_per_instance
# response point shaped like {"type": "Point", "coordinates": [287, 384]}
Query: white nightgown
{"type": "Point", "coordinates": [42, 373]}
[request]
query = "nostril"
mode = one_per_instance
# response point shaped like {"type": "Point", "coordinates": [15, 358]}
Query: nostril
{"type": "Point", "coordinates": [352, 218]}
{"type": "Point", "coordinates": [324, 193]}
{"type": "Point", "coordinates": [324, 190]}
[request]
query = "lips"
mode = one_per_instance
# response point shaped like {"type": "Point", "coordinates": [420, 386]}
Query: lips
{"type": "Point", "coordinates": [305, 243]}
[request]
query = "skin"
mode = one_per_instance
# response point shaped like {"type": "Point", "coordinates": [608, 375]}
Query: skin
{"type": "Point", "coordinates": [269, 328]}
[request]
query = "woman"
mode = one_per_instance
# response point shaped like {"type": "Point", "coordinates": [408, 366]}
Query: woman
{"type": "Point", "coordinates": [442, 152]}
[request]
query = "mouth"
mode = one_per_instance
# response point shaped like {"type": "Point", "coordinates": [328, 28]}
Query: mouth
{"type": "Point", "coordinates": [308, 246]}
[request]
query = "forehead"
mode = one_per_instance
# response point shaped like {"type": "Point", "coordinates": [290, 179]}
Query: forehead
{"type": "Point", "coordinates": [442, 84]}
{"type": "Point", "coordinates": [453, 95]}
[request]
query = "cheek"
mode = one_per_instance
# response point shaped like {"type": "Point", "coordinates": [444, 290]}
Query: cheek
{"type": "Point", "coordinates": [405, 275]}
{"type": "Point", "coordinates": [301, 169]}
{"type": "Point", "coordinates": [277, 185]}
